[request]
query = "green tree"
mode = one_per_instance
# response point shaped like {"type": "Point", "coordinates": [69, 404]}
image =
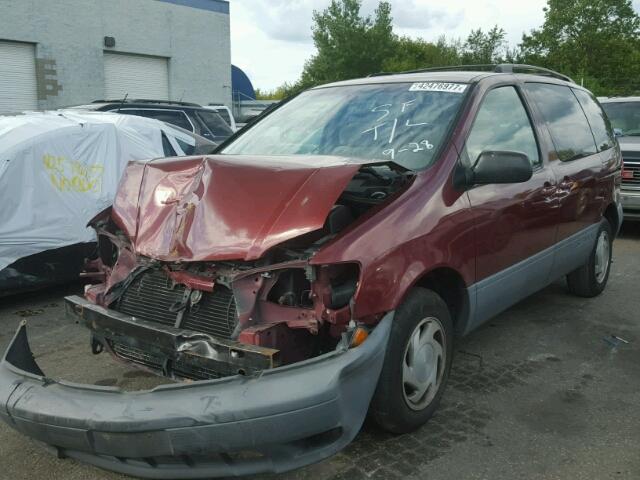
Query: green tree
{"type": "Point", "coordinates": [265, 94]}
{"type": "Point", "coordinates": [348, 44]}
{"type": "Point", "coordinates": [414, 54]}
{"type": "Point", "coordinates": [595, 41]}
{"type": "Point", "coordinates": [485, 47]}
{"type": "Point", "coordinates": [278, 93]}
{"type": "Point", "coordinates": [479, 48]}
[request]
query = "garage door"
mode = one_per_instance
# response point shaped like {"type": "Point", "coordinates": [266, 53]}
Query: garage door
{"type": "Point", "coordinates": [136, 76]}
{"type": "Point", "coordinates": [18, 86]}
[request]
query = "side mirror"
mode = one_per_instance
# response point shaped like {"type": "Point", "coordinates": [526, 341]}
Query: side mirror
{"type": "Point", "coordinates": [501, 167]}
{"type": "Point", "coordinates": [618, 132]}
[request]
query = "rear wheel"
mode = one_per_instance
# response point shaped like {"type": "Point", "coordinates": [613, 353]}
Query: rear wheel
{"type": "Point", "coordinates": [417, 363]}
{"type": "Point", "coordinates": [591, 279]}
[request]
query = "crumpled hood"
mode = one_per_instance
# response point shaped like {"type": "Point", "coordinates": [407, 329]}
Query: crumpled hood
{"type": "Point", "coordinates": [226, 207]}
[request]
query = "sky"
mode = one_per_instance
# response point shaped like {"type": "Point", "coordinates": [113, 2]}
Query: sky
{"type": "Point", "coordinates": [271, 39]}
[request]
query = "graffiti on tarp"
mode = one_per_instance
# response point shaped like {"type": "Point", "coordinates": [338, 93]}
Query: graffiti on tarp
{"type": "Point", "coordinates": [73, 176]}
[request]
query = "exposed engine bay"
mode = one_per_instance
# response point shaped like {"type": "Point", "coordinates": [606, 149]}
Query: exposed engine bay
{"type": "Point", "coordinates": [272, 311]}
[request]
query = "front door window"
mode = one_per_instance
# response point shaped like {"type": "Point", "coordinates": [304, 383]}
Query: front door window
{"type": "Point", "coordinates": [502, 124]}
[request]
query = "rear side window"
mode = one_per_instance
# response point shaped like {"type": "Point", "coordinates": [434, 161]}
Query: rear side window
{"type": "Point", "coordinates": [214, 122]}
{"type": "Point", "coordinates": [502, 124]}
{"type": "Point", "coordinates": [600, 125]}
{"type": "Point", "coordinates": [173, 117]}
{"type": "Point", "coordinates": [225, 115]}
{"type": "Point", "coordinates": [186, 148]}
{"type": "Point", "coordinates": [567, 123]}
{"type": "Point", "coordinates": [166, 146]}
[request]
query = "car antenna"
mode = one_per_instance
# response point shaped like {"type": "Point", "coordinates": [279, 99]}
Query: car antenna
{"type": "Point", "coordinates": [122, 102]}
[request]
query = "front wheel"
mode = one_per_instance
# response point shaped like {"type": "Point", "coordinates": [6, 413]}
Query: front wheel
{"type": "Point", "coordinates": [591, 279]}
{"type": "Point", "coordinates": [417, 363]}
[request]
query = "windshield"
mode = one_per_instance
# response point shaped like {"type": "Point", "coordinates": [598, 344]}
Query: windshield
{"type": "Point", "coordinates": [624, 117]}
{"type": "Point", "coordinates": [403, 122]}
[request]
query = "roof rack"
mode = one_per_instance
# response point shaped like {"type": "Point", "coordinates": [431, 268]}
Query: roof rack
{"type": "Point", "coordinates": [143, 100]}
{"type": "Point", "coordinates": [496, 68]}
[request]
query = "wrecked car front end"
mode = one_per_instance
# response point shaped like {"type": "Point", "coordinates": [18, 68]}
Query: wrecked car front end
{"type": "Point", "coordinates": [207, 274]}
{"type": "Point", "coordinates": [226, 249]}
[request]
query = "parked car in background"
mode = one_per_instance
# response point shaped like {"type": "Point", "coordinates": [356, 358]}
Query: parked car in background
{"type": "Point", "coordinates": [196, 146]}
{"type": "Point", "coordinates": [59, 169]}
{"type": "Point", "coordinates": [624, 114]}
{"type": "Point", "coordinates": [225, 113]}
{"type": "Point", "coordinates": [190, 116]}
{"type": "Point", "coordinates": [321, 266]}
{"type": "Point", "coordinates": [249, 110]}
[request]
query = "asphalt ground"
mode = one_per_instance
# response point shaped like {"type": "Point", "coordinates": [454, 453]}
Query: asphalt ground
{"type": "Point", "coordinates": [537, 393]}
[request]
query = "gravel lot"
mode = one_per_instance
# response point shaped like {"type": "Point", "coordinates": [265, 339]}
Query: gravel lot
{"type": "Point", "coordinates": [535, 394]}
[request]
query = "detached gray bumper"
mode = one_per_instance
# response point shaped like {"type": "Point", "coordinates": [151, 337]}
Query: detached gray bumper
{"type": "Point", "coordinates": [285, 418]}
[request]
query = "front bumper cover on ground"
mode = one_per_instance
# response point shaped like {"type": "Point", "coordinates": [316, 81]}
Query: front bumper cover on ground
{"type": "Point", "coordinates": [284, 418]}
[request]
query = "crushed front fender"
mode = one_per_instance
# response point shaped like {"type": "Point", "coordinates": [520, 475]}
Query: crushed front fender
{"type": "Point", "coordinates": [283, 419]}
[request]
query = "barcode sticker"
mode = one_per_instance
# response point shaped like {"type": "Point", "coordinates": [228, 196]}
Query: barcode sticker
{"type": "Point", "coordinates": [438, 87]}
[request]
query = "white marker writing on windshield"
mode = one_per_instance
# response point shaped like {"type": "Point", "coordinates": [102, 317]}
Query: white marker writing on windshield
{"type": "Point", "coordinates": [406, 104]}
{"type": "Point", "coordinates": [382, 108]}
{"type": "Point", "coordinates": [390, 151]}
{"type": "Point", "coordinates": [409, 124]}
{"type": "Point", "coordinates": [374, 130]}
{"type": "Point", "coordinates": [393, 131]}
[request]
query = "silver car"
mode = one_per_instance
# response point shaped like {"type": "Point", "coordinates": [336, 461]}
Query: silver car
{"type": "Point", "coordinates": [624, 114]}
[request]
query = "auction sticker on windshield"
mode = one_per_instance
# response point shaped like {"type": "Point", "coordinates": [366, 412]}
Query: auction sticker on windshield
{"type": "Point", "coordinates": [438, 87]}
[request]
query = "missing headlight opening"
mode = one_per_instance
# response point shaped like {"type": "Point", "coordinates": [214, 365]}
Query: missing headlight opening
{"type": "Point", "coordinates": [227, 317]}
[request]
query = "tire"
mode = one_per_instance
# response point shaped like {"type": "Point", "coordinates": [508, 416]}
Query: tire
{"type": "Point", "coordinates": [590, 280]}
{"type": "Point", "coordinates": [397, 406]}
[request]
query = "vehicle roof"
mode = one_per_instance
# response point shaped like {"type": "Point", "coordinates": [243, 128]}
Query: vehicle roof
{"type": "Point", "coordinates": [146, 105]}
{"type": "Point", "coordinates": [618, 99]}
{"type": "Point", "coordinates": [149, 101]}
{"type": "Point", "coordinates": [452, 76]}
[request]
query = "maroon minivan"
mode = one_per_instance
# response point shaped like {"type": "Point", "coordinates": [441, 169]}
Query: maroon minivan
{"type": "Point", "coordinates": [320, 266]}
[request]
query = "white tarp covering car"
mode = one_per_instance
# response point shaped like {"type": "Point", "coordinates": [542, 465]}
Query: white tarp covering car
{"type": "Point", "coordinates": [59, 169]}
